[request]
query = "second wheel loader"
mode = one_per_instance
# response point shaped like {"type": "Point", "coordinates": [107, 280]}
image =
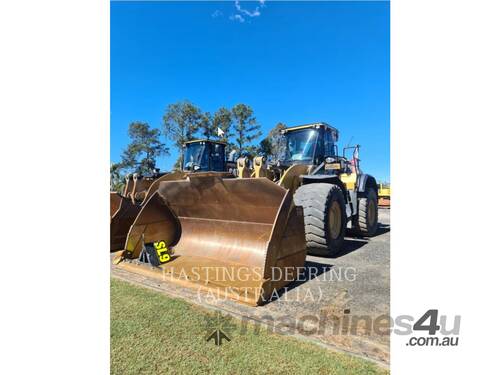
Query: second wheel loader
{"type": "Point", "coordinates": [333, 191]}
{"type": "Point", "coordinates": [384, 195]}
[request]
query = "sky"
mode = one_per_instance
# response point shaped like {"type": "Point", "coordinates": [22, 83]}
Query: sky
{"type": "Point", "coordinates": [292, 62]}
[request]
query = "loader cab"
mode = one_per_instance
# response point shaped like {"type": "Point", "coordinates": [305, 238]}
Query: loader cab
{"type": "Point", "coordinates": [308, 144]}
{"type": "Point", "coordinates": [204, 156]}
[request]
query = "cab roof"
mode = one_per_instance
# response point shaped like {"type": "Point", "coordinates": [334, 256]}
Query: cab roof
{"type": "Point", "coordinates": [314, 125]}
{"type": "Point", "coordinates": [311, 125]}
{"type": "Point", "coordinates": [205, 140]}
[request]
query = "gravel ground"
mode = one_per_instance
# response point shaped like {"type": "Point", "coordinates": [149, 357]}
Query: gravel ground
{"type": "Point", "coordinates": [349, 291]}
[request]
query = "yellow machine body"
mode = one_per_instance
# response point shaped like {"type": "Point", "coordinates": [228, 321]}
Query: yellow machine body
{"type": "Point", "coordinates": [384, 195]}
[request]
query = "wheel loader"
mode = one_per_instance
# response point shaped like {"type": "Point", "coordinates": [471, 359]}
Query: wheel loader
{"type": "Point", "coordinates": [198, 156]}
{"type": "Point", "coordinates": [258, 226]}
{"type": "Point", "coordinates": [333, 191]}
{"type": "Point", "coordinates": [384, 195]}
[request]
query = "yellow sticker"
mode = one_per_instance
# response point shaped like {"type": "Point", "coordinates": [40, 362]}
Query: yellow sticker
{"type": "Point", "coordinates": [162, 251]}
{"type": "Point", "coordinates": [332, 166]}
{"type": "Point", "coordinates": [164, 257]}
{"type": "Point", "coordinates": [159, 245]}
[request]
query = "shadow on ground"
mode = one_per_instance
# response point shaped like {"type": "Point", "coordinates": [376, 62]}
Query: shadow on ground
{"type": "Point", "coordinates": [382, 228]}
{"type": "Point", "coordinates": [313, 269]}
{"type": "Point", "coordinates": [349, 247]}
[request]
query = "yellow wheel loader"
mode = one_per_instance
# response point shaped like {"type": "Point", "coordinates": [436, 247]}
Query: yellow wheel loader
{"type": "Point", "coordinates": [333, 191]}
{"type": "Point", "coordinates": [198, 156]}
{"type": "Point", "coordinates": [245, 238]}
{"type": "Point", "coordinates": [384, 195]}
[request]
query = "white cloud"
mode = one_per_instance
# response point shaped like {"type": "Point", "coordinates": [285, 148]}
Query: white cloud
{"type": "Point", "coordinates": [217, 13]}
{"type": "Point", "coordinates": [236, 17]}
{"type": "Point", "coordinates": [254, 13]}
{"type": "Point", "coordinates": [245, 12]}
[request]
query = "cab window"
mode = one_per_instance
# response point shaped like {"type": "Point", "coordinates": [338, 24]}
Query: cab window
{"type": "Point", "coordinates": [217, 157]}
{"type": "Point", "coordinates": [329, 143]}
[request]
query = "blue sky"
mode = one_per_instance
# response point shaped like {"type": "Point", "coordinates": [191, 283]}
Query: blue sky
{"type": "Point", "coordinates": [294, 62]}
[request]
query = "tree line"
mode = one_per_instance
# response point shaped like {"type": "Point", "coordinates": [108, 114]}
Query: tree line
{"type": "Point", "coordinates": [184, 121]}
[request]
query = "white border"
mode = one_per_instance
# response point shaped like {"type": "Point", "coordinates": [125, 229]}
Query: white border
{"type": "Point", "coordinates": [55, 152]}
{"type": "Point", "coordinates": [444, 215]}
{"type": "Point", "coordinates": [55, 165]}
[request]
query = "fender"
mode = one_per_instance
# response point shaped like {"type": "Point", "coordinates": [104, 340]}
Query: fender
{"type": "Point", "coordinates": [365, 181]}
{"type": "Point", "coordinates": [334, 180]}
{"type": "Point", "coordinates": [326, 178]}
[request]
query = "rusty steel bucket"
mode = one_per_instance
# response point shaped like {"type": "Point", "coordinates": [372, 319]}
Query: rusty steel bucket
{"type": "Point", "coordinates": [137, 190]}
{"type": "Point", "coordinates": [242, 238]}
{"type": "Point", "coordinates": [115, 200]}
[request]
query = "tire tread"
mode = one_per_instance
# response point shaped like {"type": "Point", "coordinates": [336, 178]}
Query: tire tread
{"type": "Point", "coordinates": [315, 200]}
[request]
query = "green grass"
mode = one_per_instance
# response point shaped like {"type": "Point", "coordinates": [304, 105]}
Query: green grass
{"type": "Point", "coordinates": [154, 334]}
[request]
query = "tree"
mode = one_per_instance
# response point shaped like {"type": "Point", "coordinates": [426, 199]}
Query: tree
{"type": "Point", "coordinates": [223, 120]}
{"type": "Point", "coordinates": [116, 177]}
{"type": "Point", "coordinates": [269, 146]}
{"type": "Point", "coordinates": [246, 127]}
{"type": "Point", "coordinates": [265, 147]}
{"type": "Point", "coordinates": [181, 121]}
{"type": "Point", "coordinates": [207, 126]}
{"type": "Point", "coordinates": [145, 146]}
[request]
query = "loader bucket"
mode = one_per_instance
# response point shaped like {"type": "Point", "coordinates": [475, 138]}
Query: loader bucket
{"type": "Point", "coordinates": [130, 206]}
{"type": "Point", "coordinates": [121, 221]}
{"type": "Point", "coordinates": [240, 238]}
{"type": "Point", "coordinates": [114, 199]}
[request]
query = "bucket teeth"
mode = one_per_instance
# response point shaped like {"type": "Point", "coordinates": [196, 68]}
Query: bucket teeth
{"type": "Point", "coordinates": [243, 238]}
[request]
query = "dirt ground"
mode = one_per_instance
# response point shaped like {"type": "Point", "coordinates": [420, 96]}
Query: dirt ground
{"type": "Point", "coordinates": [340, 302]}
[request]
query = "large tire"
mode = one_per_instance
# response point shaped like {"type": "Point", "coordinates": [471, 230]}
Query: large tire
{"type": "Point", "coordinates": [324, 217]}
{"type": "Point", "coordinates": [366, 222]}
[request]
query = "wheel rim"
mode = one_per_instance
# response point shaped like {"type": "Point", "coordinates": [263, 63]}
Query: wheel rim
{"type": "Point", "coordinates": [335, 220]}
{"type": "Point", "coordinates": [371, 212]}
